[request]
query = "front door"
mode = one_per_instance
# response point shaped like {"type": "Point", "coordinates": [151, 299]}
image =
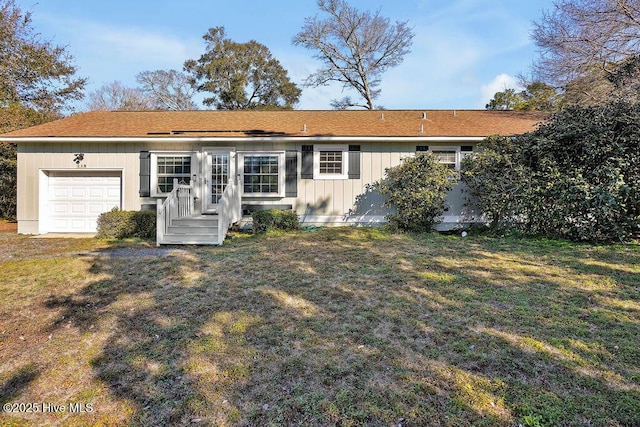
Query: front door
{"type": "Point", "coordinates": [218, 169]}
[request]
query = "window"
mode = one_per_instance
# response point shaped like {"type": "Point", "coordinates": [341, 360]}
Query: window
{"type": "Point", "coordinates": [166, 168]}
{"type": "Point", "coordinates": [450, 156]}
{"type": "Point", "coordinates": [330, 162]}
{"type": "Point", "coordinates": [446, 157]}
{"type": "Point", "coordinates": [262, 174]}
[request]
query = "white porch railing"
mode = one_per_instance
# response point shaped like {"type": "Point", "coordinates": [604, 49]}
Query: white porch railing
{"type": "Point", "coordinates": [230, 209]}
{"type": "Point", "coordinates": [178, 204]}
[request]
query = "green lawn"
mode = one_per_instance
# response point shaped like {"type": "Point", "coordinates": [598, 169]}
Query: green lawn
{"type": "Point", "coordinates": [335, 327]}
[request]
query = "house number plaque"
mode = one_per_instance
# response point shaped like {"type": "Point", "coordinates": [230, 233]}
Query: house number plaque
{"type": "Point", "coordinates": [78, 158]}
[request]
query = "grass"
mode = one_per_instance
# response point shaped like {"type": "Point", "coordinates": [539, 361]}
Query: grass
{"type": "Point", "coordinates": [335, 327]}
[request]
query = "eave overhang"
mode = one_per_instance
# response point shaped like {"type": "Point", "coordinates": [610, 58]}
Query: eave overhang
{"type": "Point", "coordinates": [271, 139]}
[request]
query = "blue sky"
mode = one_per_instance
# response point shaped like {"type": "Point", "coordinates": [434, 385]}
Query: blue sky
{"type": "Point", "coordinates": [463, 51]}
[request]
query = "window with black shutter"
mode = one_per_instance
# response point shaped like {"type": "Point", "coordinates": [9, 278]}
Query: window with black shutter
{"type": "Point", "coordinates": [291, 174]}
{"type": "Point", "coordinates": [307, 162]}
{"type": "Point", "coordinates": [354, 162]}
{"type": "Point", "coordinates": [145, 174]}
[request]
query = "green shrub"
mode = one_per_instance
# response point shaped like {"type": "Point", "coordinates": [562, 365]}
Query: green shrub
{"type": "Point", "coordinates": [576, 177]}
{"type": "Point", "coordinates": [416, 189]}
{"type": "Point", "coordinates": [274, 219]}
{"type": "Point", "coordinates": [119, 224]}
{"type": "Point", "coordinates": [8, 180]}
{"type": "Point", "coordinates": [145, 224]}
{"type": "Point", "coordinates": [498, 184]}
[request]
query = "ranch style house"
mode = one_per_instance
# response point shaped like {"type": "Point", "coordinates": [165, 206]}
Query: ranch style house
{"type": "Point", "coordinates": [203, 171]}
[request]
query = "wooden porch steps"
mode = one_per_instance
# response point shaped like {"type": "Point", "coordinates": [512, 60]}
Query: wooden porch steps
{"type": "Point", "coordinates": [178, 225]}
{"type": "Point", "coordinates": [193, 230]}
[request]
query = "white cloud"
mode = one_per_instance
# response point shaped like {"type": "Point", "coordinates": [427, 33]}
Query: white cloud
{"type": "Point", "coordinates": [498, 84]}
{"type": "Point", "coordinates": [106, 53]}
{"type": "Point", "coordinates": [133, 45]}
{"type": "Point", "coordinates": [439, 67]}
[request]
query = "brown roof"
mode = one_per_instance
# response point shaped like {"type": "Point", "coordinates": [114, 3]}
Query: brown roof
{"type": "Point", "coordinates": [296, 123]}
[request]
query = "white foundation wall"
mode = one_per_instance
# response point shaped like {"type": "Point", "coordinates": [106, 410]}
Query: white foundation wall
{"type": "Point", "coordinates": [343, 201]}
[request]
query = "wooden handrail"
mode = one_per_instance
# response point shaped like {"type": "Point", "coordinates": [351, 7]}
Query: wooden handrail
{"type": "Point", "coordinates": [178, 204]}
{"type": "Point", "coordinates": [230, 210]}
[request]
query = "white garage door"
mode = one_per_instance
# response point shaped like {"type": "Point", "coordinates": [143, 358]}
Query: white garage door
{"type": "Point", "coordinates": [77, 198]}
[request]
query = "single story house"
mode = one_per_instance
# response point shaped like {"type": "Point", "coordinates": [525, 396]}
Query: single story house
{"type": "Point", "coordinates": [203, 170]}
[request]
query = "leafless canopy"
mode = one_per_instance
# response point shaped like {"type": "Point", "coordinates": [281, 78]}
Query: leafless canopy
{"type": "Point", "coordinates": [167, 89]}
{"type": "Point", "coordinates": [585, 45]}
{"type": "Point", "coordinates": [116, 96]}
{"type": "Point", "coordinates": [354, 47]}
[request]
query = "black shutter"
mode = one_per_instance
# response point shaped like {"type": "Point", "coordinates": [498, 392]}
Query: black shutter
{"type": "Point", "coordinates": [145, 174]}
{"type": "Point", "coordinates": [354, 162]}
{"type": "Point", "coordinates": [307, 162]}
{"type": "Point", "coordinates": [291, 174]}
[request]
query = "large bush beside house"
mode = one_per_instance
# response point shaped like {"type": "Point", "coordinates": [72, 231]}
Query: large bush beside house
{"type": "Point", "coordinates": [118, 224]}
{"type": "Point", "coordinates": [416, 189]}
{"type": "Point", "coordinates": [498, 182]}
{"type": "Point", "coordinates": [274, 219]}
{"type": "Point", "coordinates": [576, 177]}
{"type": "Point", "coordinates": [8, 180]}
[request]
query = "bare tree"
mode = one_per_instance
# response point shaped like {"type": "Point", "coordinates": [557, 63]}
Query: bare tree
{"type": "Point", "coordinates": [585, 48]}
{"type": "Point", "coordinates": [167, 89]}
{"type": "Point", "coordinates": [355, 48]}
{"type": "Point", "coordinates": [116, 96]}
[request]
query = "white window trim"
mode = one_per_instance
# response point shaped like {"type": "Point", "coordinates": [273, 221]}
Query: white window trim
{"type": "Point", "coordinates": [449, 148]}
{"type": "Point", "coordinates": [154, 168]}
{"type": "Point", "coordinates": [281, 171]}
{"type": "Point", "coordinates": [316, 161]}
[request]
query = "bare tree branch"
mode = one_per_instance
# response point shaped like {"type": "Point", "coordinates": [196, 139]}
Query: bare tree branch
{"type": "Point", "coordinates": [583, 45]}
{"type": "Point", "coordinates": [116, 96]}
{"type": "Point", "coordinates": [355, 48]}
{"type": "Point", "coordinates": [167, 89]}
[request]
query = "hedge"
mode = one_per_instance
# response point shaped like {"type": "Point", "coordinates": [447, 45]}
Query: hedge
{"type": "Point", "coordinates": [119, 224]}
{"type": "Point", "coordinates": [576, 177]}
{"type": "Point", "coordinates": [274, 219]}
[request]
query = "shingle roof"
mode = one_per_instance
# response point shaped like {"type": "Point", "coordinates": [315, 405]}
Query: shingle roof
{"type": "Point", "coordinates": [296, 123]}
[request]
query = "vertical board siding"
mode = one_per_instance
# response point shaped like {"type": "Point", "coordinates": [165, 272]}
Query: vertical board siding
{"type": "Point", "coordinates": [130, 182]}
{"type": "Point", "coordinates": [324, 197]}
{"type": "Point", "coordinates": [32, 195]}
{"type": "Point", "coordinates": [33, 157]}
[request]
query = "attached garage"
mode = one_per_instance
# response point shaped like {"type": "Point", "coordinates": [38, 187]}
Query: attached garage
{"type": "Point", "coordinates": [76, 199]}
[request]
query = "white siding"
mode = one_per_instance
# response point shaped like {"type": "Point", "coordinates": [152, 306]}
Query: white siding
{"type": "Point", "coordinates": [321, 201]}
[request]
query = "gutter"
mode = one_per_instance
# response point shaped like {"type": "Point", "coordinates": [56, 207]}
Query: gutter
{"type": "Point", "coordinates": [102, 139]}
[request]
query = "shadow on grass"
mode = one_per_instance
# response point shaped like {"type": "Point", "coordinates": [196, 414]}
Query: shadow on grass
{"type": "Point", "coordinates": [354, 327]}
{"type": "Point", "coordinates": [14, 386]}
